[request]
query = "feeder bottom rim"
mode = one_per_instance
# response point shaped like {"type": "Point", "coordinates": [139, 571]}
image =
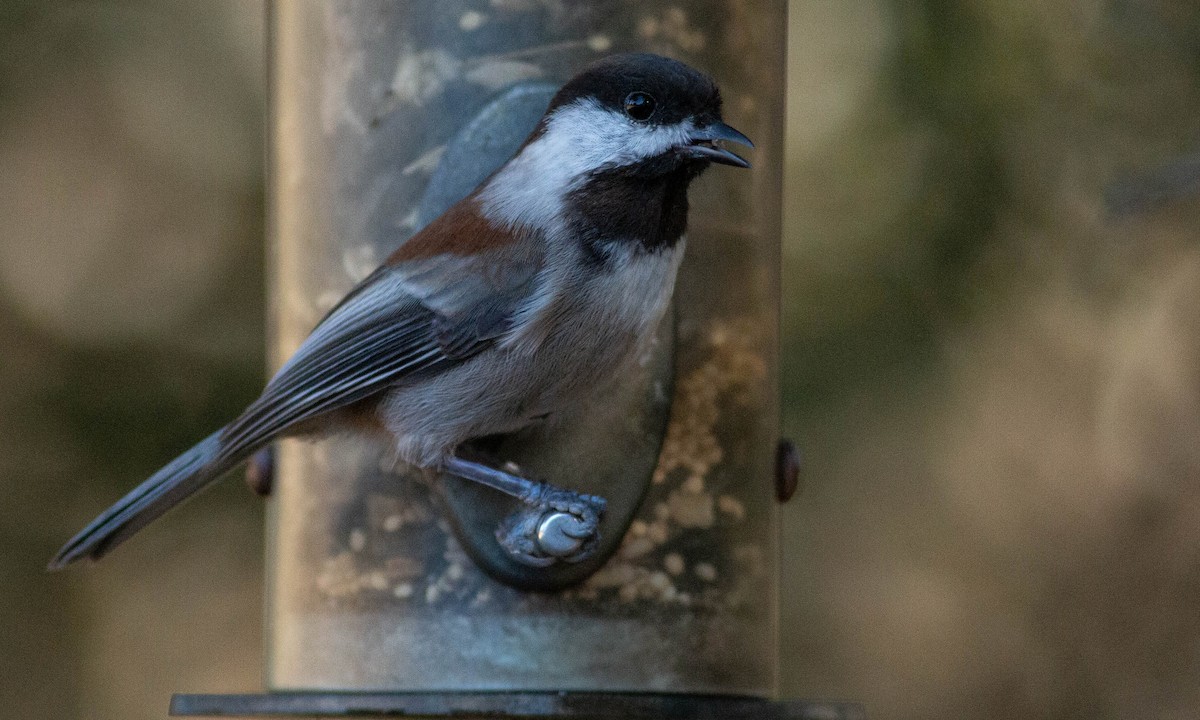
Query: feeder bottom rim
{"type": "Point", "coordinates": [511, 705]}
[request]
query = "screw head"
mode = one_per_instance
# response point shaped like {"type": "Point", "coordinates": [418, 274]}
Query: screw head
{"type": "Point", "coordinates": [787, 470]}
{"type": "Point", "coordinates": [260, 472]}
{"type": "Point", "coordinates": [558, 534]}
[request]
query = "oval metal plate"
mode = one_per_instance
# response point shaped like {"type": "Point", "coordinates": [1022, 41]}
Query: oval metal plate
{"type": "Point", "coordinates": [611, 447]}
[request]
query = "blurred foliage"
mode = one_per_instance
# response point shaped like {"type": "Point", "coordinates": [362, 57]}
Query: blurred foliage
{"type": "Point", "coordinates": [992, 368]}
{"type": "Point", "coordinates": [934, 78]}
{"type": "Point", "coordinates": [131, 318]}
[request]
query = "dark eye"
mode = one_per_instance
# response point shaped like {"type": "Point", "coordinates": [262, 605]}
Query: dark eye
{"type": "Point", "coordinates": [639, 106]}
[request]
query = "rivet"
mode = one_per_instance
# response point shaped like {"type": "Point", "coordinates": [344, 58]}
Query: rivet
{"type": "Point", "coordinates": [787, 470]}
{"type": "Point", "coordinates": [260, 472]}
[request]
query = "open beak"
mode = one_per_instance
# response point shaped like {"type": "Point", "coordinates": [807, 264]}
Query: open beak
{"type": "Point", "coordinates": [702, 144]}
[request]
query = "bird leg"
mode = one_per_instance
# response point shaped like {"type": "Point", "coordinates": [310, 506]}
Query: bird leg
{"type": "Point", "coordinates": [555, 524]}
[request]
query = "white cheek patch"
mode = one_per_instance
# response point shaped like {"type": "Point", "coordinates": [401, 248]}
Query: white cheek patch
{"type": "Point", "coordinates": [580, 138]}
{"type": "Point", "coordinates": [591, 136]}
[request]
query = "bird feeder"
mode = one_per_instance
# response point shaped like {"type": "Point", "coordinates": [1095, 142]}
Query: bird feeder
{"type": "Point", "coordinates": [388, 592]}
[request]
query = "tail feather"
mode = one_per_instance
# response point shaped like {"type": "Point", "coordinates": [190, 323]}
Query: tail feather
{"type": "Point", "coordinates": [178, 480]}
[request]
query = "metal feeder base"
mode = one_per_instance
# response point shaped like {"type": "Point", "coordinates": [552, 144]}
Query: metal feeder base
{"type": "Point", "coordinates": [514, 705]}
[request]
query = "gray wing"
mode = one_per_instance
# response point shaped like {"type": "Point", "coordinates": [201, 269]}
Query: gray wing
{"type": "Point", "coordinates": [406, 320]}
{"type": "Point", "coordinates": [401, 323]}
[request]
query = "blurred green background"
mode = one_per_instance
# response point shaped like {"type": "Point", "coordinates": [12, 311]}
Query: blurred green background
{"type": "Point", "coordinates": [992, 337]}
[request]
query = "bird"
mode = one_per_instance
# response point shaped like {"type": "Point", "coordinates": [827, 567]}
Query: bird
{"type": "Point", "coordinates": [543, 283]}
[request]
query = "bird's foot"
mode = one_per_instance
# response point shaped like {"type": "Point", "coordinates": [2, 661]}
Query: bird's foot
{"type": "Point", "coordinates": [555, 524]}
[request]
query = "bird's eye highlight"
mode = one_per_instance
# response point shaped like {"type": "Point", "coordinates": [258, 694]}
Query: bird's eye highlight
{"type": "Point", "coordinates": [640, 106]}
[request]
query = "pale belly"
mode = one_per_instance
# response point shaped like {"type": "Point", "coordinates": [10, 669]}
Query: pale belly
{"type": "Point", "coordinates": [579, 347]}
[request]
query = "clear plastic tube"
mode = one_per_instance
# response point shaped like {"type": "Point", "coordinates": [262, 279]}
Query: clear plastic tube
{"type": "Point", "coordinates": [368, 588]}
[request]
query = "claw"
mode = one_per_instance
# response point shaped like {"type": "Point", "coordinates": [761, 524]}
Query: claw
{"type": "Point", "coordinates": [556, 525]}
{"type": "Point", "coordinates": [530, 556]}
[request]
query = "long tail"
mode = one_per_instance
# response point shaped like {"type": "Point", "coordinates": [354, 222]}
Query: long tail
{"type": "Point", "coordinates": [178, 480]}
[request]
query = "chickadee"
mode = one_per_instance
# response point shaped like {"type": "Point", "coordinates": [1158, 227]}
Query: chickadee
{"type": "Point", "coordinates": [509, 308]}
